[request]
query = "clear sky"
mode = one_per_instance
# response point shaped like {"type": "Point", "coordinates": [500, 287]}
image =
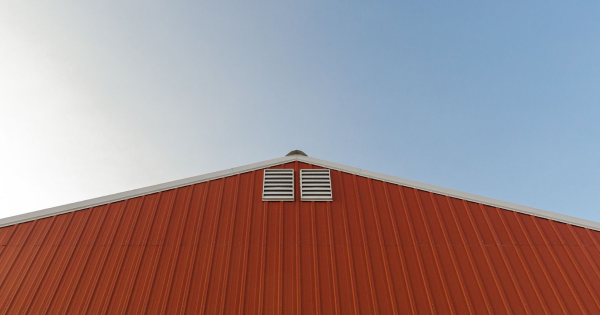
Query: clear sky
{"type": "Point", "coordinates": [500, 99]}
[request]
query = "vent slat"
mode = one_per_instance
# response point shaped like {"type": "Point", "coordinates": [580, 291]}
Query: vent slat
{"type": "Point", "coordinates": [278, 185]}
{"type": "Point", "coordinates": [315, 185]}
{"type": "Point", "coordinates": [317, 198]}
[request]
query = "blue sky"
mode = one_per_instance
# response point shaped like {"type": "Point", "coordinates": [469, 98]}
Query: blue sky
{"type": "Point", "coordinates": [496, 99]}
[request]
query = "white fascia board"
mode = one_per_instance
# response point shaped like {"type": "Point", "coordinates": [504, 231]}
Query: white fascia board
{"type": "Point", "coordinates": [455, 193]}
{"type": "Point", "coordinates": [140, 192]}
{"type": "Point", "coordinates": [286, 159]}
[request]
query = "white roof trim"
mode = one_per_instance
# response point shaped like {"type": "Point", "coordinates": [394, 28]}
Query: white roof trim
{"type": "Point", "coordinates": [457, 194]}
{"type": "Point", "coordinates": [286, 159]}
{"type": "Point", "coordinates": [140, 192]}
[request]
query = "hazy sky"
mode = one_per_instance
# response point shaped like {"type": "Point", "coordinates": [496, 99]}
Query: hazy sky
{"type": "Point", "coordinates": [500, 99]}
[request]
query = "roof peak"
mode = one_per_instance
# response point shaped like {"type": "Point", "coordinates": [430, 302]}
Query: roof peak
{"type": "Point", "coordinates": [296, 152]}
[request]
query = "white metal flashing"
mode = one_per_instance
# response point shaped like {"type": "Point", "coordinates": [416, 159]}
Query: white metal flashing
{"type": "Point", "coordinates": [140, 192]}
{"type": "Point", "coordinates": [286, 159]}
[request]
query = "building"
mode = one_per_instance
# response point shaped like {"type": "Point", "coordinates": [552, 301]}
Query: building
{"type": "Point", "coordinates": [336, 241]}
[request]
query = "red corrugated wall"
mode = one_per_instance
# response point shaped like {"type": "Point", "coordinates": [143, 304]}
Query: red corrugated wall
{"type": "Point", "coordinates": [378, 248]}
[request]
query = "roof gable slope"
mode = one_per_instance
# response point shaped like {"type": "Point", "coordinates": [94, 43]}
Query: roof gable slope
{"type": "Point", "coordinates": [305, 159]}
{"type": "Point", "coordinates": [378, 248]}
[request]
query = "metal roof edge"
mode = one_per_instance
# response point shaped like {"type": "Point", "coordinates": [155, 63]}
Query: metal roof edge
{"type": "Point", "coordinates": [94, 202]}
{"type": "Point", "coordinates": [455, 193]}
{"type": "Point", "coordinates": [21, 218]}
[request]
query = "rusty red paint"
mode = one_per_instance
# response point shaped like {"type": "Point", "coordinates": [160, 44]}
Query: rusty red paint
{"type": "Point", "coordinates": [378, 248]}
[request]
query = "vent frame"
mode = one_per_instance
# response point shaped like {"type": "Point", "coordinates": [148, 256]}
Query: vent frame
{"type": "Point", "coordinates": [315, 184]}
{"type": "Point", "coordinates": [278, 184]}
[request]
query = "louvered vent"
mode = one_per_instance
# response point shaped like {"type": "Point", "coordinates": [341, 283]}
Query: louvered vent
{"type": "Point", "coordinates": [278, 185]}
{"type": "Point", "coordinates": [315, 185]}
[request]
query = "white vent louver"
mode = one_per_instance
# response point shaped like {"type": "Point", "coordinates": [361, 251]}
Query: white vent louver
{"type": "Point", "coordinates": [278, 185]}
{"type": "Point", "coordinates": [315, 185]}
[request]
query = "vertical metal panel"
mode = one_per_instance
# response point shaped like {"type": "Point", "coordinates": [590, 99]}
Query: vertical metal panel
{"type": "Point", "coordinates": [377, 248]}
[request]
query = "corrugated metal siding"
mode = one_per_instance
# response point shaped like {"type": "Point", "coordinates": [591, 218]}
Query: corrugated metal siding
{"type": "Point", "coordinates": [378, 248]}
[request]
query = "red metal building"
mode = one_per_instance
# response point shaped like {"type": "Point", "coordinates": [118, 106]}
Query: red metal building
{"type": "Point", "coordinates": [381, 245]}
